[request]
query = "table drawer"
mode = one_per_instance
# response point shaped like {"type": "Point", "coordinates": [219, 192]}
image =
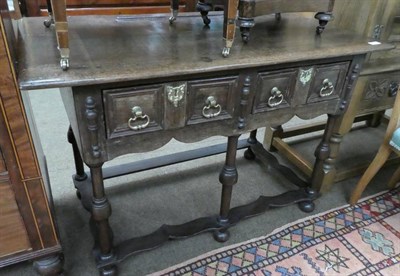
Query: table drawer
{"type": "Point", "coordinates": [211, 99]}
{"type": "Point", "coordinates": [379, 91]}
{"type": "Point", "coordinates": [300, 86]}
{"type": "Point", "coordinates": [327, 82]}
{"type": "Point", "coordinates": [274, 90]}
{"type": "Point", "coordinates": [133, 110]}
{"type": "Point", "coordinates": [141, 109]}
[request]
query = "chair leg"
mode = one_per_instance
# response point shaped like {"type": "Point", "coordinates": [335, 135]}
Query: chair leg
{"type": "Point", "coordinates": [61, 25]}
{"type": "Point", "coordinates": [376, 164]}
{"type": "Point", "coordinates": [394, 179]}
{"type": "Point", "coordinates": [230, 12]}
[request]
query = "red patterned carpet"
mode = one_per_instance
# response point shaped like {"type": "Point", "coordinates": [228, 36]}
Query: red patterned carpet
{"type": "Point", "coordinates": [359, 240]}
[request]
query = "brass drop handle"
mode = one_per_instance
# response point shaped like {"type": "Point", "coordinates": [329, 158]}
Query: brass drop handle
{"type": "Point", "coordinates": [138, 115]}
{"type": "Point", "coordinates": [211, 103]}
{"type": "Point", "coordinates": [327, 88]}
{"type": "Point", "coordinates": [276, 97]}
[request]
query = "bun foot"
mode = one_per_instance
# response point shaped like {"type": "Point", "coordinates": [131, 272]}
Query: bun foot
{"type": "Point", "coordinates": [307, 206]}
{"type": "Point", "coordinates": [221, 235]}
{"type": "Point", "coordinates": [109, 271]}
{"type": "Point", "coordinates": [52, 265]}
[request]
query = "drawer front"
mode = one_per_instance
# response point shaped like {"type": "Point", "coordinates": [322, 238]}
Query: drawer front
{"type": "Point", "coordinates": [274, 90]}
{"type": "Point", "coordinates": [298, 87]}
{"type": "Point", "coordinates": [137, 110]}
{"type": "Point", "coordinates": [379, 91]}
{"type": "Point", "coordinates": [133, 110]}
{"type": "Point", "coordinates": [211, 100]}
{"type": "Point", "coordinates": [327, 82]}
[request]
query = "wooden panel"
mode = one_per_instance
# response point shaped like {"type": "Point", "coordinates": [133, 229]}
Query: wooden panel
{"type": "Point", "coordinates": [40, 207]}
{"type": "Point", "coordinates": [20, 157]}
{"type": "Point", "coordinates": [15, 115]}
{"type": "Point", "coordinates": [371, 14]}
{"type": "Point", "coordinates": [175, 99]}
{"type": "Point", "coordinates": [7, 86]}
{"type": "Point", "coordinates": [13, 236]}
{"type": "Point", "coordinates": [379, 91]}
{"type": "Point", "coordinates": [119, 103]}
{"type": "Point", "coordinates": [334, 75]}
{"type": "Point", "coordinates": [284, 81]}
{"type": "Point", "coordinates": [368, 15]}
{"type": "Point", "coordinates": [222, 90]}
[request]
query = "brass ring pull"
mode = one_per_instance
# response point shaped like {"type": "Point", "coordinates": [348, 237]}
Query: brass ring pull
{"type": "Point", "coordinates": [211, 103]}
{"type": "Point", "coordinates": [276, 97]}
{"type": "Point", "coordinates": [327, 88]}
{"type": "Point", "coordinates": [138, 114]}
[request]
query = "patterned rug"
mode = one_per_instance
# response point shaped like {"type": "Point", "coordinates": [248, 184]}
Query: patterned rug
{"type": "Point", "coordinates": [359, 240]}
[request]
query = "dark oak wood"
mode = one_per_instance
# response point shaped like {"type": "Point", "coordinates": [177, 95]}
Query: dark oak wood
{"type": "Point", "coordinates": [376, 86]}
{"type": "Point", "coordinates": [228, 177]}
{"type": "Point", "coordinates": [112, 63]}
{"type": "Point", "coordinates": [176, 85]}
{"type": "Point", "coordinates": [304, 196]}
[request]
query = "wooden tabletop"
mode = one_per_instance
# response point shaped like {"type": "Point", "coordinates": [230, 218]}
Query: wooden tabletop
{"type": "Point", "coordinates": [107, 49]}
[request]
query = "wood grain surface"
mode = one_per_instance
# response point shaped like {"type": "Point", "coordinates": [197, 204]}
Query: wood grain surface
{"type": "Point", "coordinates": [13, 236]}
{"type": "Point", "coordinates": [107, 49]}
{"type": "Point", "coordinates": [23, 173]}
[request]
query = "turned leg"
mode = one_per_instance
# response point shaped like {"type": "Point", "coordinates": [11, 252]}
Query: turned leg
{"type": "Point", "coordinates": [49, 266]}
{"type": "Point", "coordinates": [229, 25]}
{"type": "Point", "coordinates": [204, 7]}
{"type": "Point", "coordinates": [80, 174]}
{"type": "Point", "coordinates": [375, 119]}
{"type": "Point", "coordinates": [50, 20]}
{"type": "Point", "coordinates": [249, 154]}
{"type": "Point", "coordinates": [174, 10]}
{"type": "Point", "coordinates": [228, 177]}
{"type": "Point", "coordinates": [324, 168]}
{"type": "Point", "coordinates": [61, 24]}
{"type": "Point", "coordinates": [246, 18]}
{"type": "Point", "coordinates": [101, 211]}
